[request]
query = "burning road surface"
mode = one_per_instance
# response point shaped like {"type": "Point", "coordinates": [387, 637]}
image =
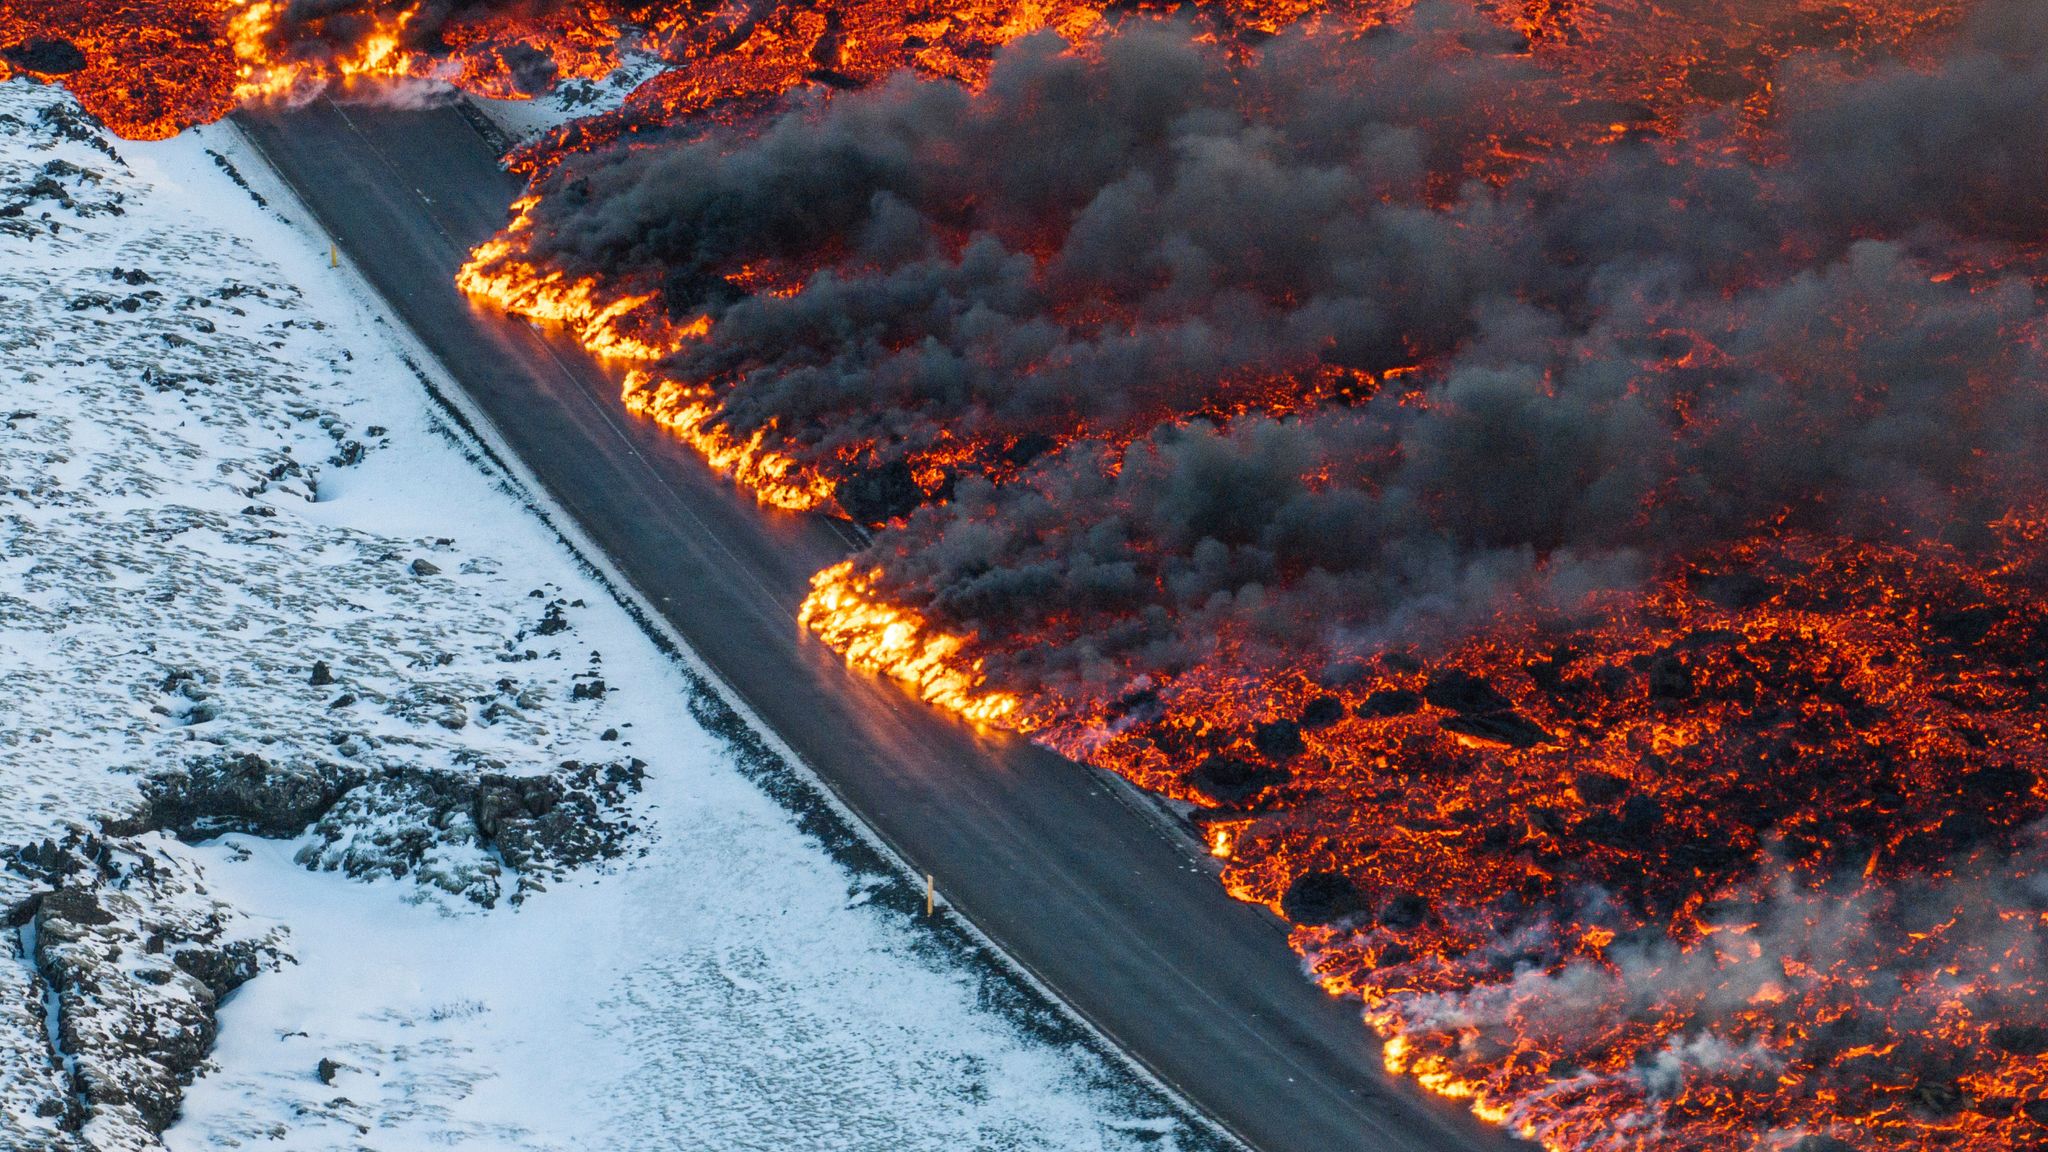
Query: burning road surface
{"type": "Point", "coordinates": [1558, 487]}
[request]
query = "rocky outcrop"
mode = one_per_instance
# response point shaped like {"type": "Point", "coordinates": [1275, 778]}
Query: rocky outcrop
{"type": "Point", "coordinates": [463, 832]}
{"type": "Point", "coordinates": [132, 959]}
{"type": "Point", "coordinates": [243, 792]}
{"type": "Point", "coordinates": [458, 830]}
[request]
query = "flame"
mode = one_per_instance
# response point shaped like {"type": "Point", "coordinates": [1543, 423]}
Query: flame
{"type": "Point", "coordinates": [877, 637]}
{"type": "Point", "coordinates": [1606, 912]}
{"type": "Point", "coordinates": [692, 414]}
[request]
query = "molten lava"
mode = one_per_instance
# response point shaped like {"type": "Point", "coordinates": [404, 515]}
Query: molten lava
{"type": "Point", "coordinates": [1554, 488]}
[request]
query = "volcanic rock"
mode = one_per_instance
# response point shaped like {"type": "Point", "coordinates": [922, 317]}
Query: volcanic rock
{"type": "Point", "coordinates": [322, 675]}
{"type": "Point", "coordinates": [881, 494]}
{"type": "Point", "coordinates": [1670, 677]}
{"type": "Point", "coordinates": [135, 958]}
{"type": "Point", "coordinates": [238, 793]}
{"type": "Point", "coordinates": [46, 57]}
{"type": "Point", "coordinates": [2021, 1039]}
{"type": "Point", "coordinates": [1230, 780]}
{"type": "Point", "coordinates": [1405, 912]}
{"type": "Point", "coordinates": [1389, 702]}
{"type": "Point", "coordinates": [1321, 712]}
{"type": "Point", "coordinates": [1509, 728]}
{"type": "Point", "coordinates": [1599, 787]}
{"type": "Point", "coordinates": [1278, 739]}
{"type": "Point", "coordinates": [1320, 898]}
{"type": "Point", "coordinates": [1641, 814]}
{"type": "Point", "coordinates": [1460, 691]}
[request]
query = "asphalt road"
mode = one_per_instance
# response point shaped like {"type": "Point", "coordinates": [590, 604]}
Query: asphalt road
{"type": "Point", "coordinates": [1050, 859]}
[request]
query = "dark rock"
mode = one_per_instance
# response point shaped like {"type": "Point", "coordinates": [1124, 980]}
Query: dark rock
{"type": "Point", "coordinates": [1405, 912]}
{"type": "Point", "coordinates": [46, 57]}
{"type": "Point", "coordinates": [222, 967]}
{"type": "Point", "coordinates": [1599, 787]}
{"type": "Point", "coordinates": [878, 495]}
{"type": "Point", "coordinates": [1965, 626]}
{"type": "Point", "coordinates": [1139, 707]}
{"type": "Point", "coordinates": [326, 1070]}
{"type": "Point", "coordinates": [238, 793]}
{"type": "Point", "coordinates": [322, 675]}
{"type": "Point", "coordinates": [1938, 1099]}
{"type": "Point", "coordinates": [74, 906]}
{"type": "Point", "coordinates": [1507, 728]}
{"type": "Point", "coordinates": [1321, 712]}
{"type": "Point", "coordinates": [1321, 898]}
{"type": "Point", "coordinates": [551, 620]}
{"type": "Point", "coordinates": [1278, 739]}
{"type": "Point", "coordinates": [1604, 828]}
{"type": "Point", "coordinates": [1642, 813]}
{"type": "Point", "coordinates": [2036, 1110]}
{"type": "Point", "coordinates": [1389, 702]}
{"type": "Point", "coordinates": [1996, 1107]}
{"type": "Point", "coordinates": [592, 689]}
{"type": "Point", "coordinates": [1670, 677]}
{"type": "Point", "coordinates": [2021, 1039]}
{"type": "Point", "coordinates": [1733, 590]}
{"type": "Point", "coordinates": [1230, 780]}
{"type": "Point", "coordinates": [425, 568]}
{"type": "Point", "coordinates": [1029, 447]}
{"type": "Point", "coordinates": [1822, 1144]}
{"type": "Point", "coordinates": [610, 734]}
{"type": "Point", "coordinates": [1460, 691]}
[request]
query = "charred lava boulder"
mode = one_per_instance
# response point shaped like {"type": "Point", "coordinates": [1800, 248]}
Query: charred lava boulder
{"type": "Point", "coordinates": [1597, 788]}
{"type": "Point", "coordinates": [1508, 728]}
{"type": "Point", "coordinates": [1389, 702]}
{"type": "Point", "coordinates": [1963, 627]}
{"type": "Point", "coordinates": [1458, 691]}
{"type": "Point", "coordinates": [880, 494]}
{"type": "Point", "coordinates": [1321, 712]}
{"type": "Point", "coordinates": [1642, 814]}
{"type": "Point", "coordinates": [1278, 740]}
{"type": "Point", "coordinates": [1822, 1144]}
{"type": "Point", "coordinates": [1405, 912]}
{"type": "Point", "coordinates": [1231, 780]}
{"type": "Point", "coordinates": [2027, 1040]}
{"type": "Point", "coordinates": [238, 793]}
{"type": "Point", "coordinates": [1317, 898]}
{"type": "Point", "coordinates": [46, 57]}
{"type": "Point", "coordinates": [1670, 677]}
{"type": "Point", "coordinates": [1029, 447]}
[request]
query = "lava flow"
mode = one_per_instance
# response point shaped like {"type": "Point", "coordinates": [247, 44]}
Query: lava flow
{"type": "Point", "coordinates": [151, 68]}
{"type": "Point", "coordinates": [1557, 495]}
{"type": "Point", "coordinates": [1554, 488]}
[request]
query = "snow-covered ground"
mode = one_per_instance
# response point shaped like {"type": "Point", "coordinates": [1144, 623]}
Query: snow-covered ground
{"type": "Point", "coordinates": [487, 868]}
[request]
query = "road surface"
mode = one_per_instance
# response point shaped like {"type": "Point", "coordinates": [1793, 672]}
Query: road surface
{"type": "Point", "coordinates": [1118, 916]}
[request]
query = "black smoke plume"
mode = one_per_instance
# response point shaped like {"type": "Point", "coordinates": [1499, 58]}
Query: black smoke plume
{"type": "Point", "coordinates": [1101, 271]}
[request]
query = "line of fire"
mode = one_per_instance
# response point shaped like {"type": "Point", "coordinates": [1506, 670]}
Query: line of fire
{"type": "Point", "coordinates": [1554, 487]}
